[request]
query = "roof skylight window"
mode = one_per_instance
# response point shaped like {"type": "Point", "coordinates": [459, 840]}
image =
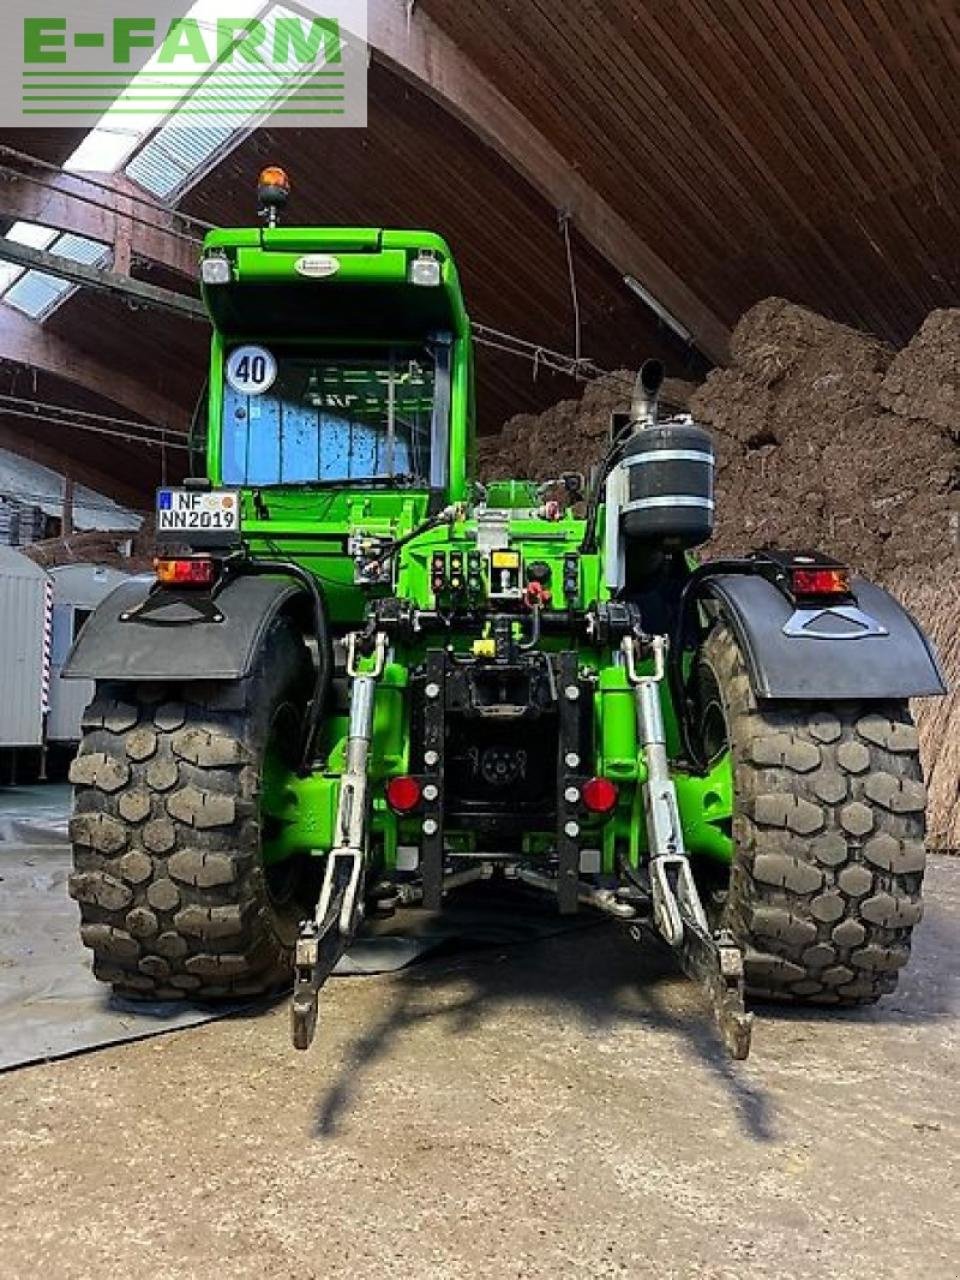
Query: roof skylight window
{"type": "Point", "coordinates": [37, 293]}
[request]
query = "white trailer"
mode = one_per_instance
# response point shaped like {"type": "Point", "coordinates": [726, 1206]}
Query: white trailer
{"type": "Point", "coordinates": [77, 590]}
{"type": "Point", "coordinates": [26, 598]}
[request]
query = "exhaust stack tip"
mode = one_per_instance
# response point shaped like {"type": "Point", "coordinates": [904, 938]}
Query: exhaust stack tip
{"type": "Point", "coordinates": [646, 393]}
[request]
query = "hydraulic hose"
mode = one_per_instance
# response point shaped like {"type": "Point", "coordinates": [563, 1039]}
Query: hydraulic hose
{"type": "Point", "coordinates": [643, 414]}
{"type": "Point", "coordinates": [446, 516]}
{"type": "Point", "coordinates": [589, 542]}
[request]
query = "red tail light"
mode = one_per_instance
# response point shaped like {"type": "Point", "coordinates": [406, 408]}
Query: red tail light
{"type": "Point", "coordinates": [600, 795]}
{"type": "Point", "coordinates": [403, 794]}
{"type": "Point", "coordinates": [820, 582]}
{"type": "Point", "coordinates": [197, 571]}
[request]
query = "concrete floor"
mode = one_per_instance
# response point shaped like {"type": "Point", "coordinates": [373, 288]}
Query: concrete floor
{"type": "Point", "coordinates": [556, 1110]}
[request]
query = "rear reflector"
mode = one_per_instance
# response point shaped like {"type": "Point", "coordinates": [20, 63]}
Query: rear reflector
{"type": "Point", "coordinates": [599, 795]}
{"type": "Point", "coordinates": [197, 571]}
{"type": "Point", "coordinates": [403, 794]}
{"type": "Point", "coordinates": [820, 582]}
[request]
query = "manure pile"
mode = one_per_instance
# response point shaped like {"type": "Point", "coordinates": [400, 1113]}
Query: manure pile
{"type": "Point", "coordinates": [826, 437]}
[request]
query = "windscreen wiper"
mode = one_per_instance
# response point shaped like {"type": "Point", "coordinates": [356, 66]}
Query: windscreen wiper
{"type": "Point", "coordinates": [306, 487]}
{"type": "Point", "coordinates": [403, 480]}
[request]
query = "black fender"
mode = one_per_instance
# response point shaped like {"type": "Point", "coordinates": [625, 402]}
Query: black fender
{"type": "Point", "coordinates": [182, 636]}
{"type": "Point", "coordinates": [871, 649]}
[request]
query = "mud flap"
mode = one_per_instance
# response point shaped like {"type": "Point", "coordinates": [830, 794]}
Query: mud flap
{"type": "Point", "coordinates": [876, 650]}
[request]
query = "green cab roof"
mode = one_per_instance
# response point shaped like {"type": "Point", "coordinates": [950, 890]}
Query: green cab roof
{"type": "Point", "coordinates": [325, 240]}
{"type": "Point", "coordinates": [337, 283]}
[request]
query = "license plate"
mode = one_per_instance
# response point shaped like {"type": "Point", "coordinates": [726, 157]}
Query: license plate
{"type": "Point", "coordinates": [189, 511]}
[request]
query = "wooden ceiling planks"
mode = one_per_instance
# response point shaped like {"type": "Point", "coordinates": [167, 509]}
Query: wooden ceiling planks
{"type": "Point", "coordinates": [415, 165]}
{"type": "Point", "coordinates": [124, 470]}
{"type": "Point", "coordinates": [808, 148]}
{"type": "Point", "coordinates": [167, 352]}
{"type": "Point", "coordinates": [51, 145]}
{"type": "Point", "coordinates": [815, 157]}
{"type": "Point", "coordinates": [828, 132]}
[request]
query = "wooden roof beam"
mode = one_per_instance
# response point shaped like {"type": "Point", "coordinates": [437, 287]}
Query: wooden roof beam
{"type": "Point", "coordinates": [27, 343]}
{"type": "Point", "coordinates": [66, 203]}
{"type": "Point", "coordinates": [414, 46]}
{"type": "Point", "coordinates": [14, 440]}
{"type": "Point", "coordinates": [114, 283]}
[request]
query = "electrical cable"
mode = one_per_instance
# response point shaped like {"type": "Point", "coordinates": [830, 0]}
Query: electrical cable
{"type": "Point", "coordinates": [445, 516]}
{"type": "Point", "coordinates": [27, 498]}
{"type": "Point", "coordinates": [583, 369]}
{"type": "Point", "coordinates": [538, 354]}
{"type": "Point", "coordinates": [51, 421]}
{"type": "Point", "coordinates": [102, 205]}
{"type": "Point", "coordinates": [565, 231]}
{"type": "Point", "coordinates": [7, 397]}
{"type": "Point", "coordinates": [613, 455]}
{"type": "Point", "coordinates": [143, 200]}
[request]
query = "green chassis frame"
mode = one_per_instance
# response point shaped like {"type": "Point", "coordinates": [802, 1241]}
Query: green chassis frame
{"type": "Point", "coordinates": [370, 302]}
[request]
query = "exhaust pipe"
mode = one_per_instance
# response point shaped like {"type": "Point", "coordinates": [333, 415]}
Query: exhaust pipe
{"type": "Point", "coordinates": [646, 394]}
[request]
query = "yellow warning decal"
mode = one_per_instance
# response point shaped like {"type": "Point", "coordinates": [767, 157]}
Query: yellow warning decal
{"type": "Point", "coordinates": [505, 559]}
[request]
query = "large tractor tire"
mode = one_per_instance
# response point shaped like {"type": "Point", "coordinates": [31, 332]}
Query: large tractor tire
{"type": "Point", "coordinates": [168, 830]}
{"type": "Point", "coordinates": [828, 830]}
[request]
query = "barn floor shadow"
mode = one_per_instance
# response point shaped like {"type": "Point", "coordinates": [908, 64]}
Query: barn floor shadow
{"type": "Point", "coordinates": [592, 973]}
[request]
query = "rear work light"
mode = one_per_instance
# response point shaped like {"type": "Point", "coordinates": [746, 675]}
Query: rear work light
{"type": "Point", "coordinates": [599, 795]}
{"type": "Point", "coordinates": [216, 269]}
{"type": "Point", "coordinates": [820, 582]}
{"type": "Point", "coordinates": [195, 571]}
{"type": "Point", "coordinates": [403, 794]}
{"type": "Point", "coordinates": [426, 270]}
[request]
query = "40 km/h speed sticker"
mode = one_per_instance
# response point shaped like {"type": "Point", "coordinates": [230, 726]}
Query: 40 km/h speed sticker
{"type": "Point", "coordinates": [251, 370]}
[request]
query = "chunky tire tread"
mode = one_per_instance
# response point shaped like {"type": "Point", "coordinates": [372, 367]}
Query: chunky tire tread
{"type": "Point", "coordinates": [829, 829]}
{"type": "Point", "coordinates": [166, 834]}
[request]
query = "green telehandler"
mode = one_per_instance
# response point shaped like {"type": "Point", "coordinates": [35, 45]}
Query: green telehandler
{"type": "Point", "coordinates": [359, 677]}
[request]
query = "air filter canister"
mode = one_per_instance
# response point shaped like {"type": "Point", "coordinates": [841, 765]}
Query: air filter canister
{"type": "Point", "coordinates": [670, 485]}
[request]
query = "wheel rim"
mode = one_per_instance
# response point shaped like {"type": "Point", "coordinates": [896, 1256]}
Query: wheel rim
{"type": "Point", "coordinates": [714, 736]}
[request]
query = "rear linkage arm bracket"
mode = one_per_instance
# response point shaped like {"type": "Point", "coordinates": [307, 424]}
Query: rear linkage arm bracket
{"type": "Point", "coordinates": [711, 959]}
{"type": "Point", "coordinates": [324, 939]}
{"type": "Point", "coordinates": [716, 962]}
